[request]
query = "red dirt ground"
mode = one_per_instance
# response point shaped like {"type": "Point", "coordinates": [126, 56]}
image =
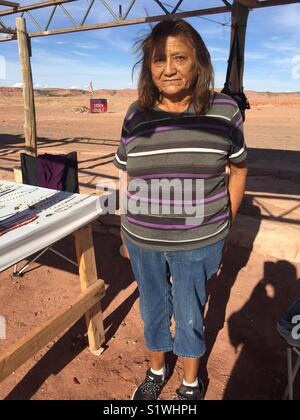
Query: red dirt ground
{"type": "Point", "coordinates": [258, 280]}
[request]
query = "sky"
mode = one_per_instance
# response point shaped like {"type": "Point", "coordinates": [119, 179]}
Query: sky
{"type": "Point", "coordinates": [106, 57]}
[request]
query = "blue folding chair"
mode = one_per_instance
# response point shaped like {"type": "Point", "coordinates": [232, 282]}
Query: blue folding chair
{"type": "Point", "coordinates": [289, 329]}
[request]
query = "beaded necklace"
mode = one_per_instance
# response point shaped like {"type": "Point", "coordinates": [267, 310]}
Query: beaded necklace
{"type": "Point", "coordinates": [66, 205]}
{"type": "Point", "coordinates": [23, 222]}
{"type": "Point", "coordinates": [12, 195]}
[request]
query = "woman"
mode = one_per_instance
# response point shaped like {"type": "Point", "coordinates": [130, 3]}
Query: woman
{"type": "Point", "coordinates": [177, 141]}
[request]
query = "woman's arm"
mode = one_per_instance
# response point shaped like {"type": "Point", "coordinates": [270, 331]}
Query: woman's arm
{"type": "Point", "coordinates": [237, 185]}
{"type": "Point", "coordinates": [122, 196]}
{"type": "Point", "coordinates": [123, 191]}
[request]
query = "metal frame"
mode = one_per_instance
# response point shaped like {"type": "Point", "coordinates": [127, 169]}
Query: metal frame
{"type": "Point", "coordinates": [292, 372]}
{"type": "Point", "coordinates": [119, 18]}
{"type": "Point", "coordinates": [21, 272]}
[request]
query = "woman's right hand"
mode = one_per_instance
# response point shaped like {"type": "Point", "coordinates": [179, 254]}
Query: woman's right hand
{"type": "Point", "coordinates": [123, 249]}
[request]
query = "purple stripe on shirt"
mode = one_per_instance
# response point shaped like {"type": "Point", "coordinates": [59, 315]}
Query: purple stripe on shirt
{"type": "Point", "coordinates": [175, 175]}
{"type": "Point", "coordinates": [132, 115]}
{"type": "Point", "coordinates": [237, 125]}
{"type": "Point", "coordinates": [175, 202]}
{"type": "Point", "coordinates": [176, 227]}
{"type": "Point", "coordinates": [224, 102]}
{"type": "Point", "coordinates": [176, 127]}
{"type": "Point", "coordinates": [239, 122]}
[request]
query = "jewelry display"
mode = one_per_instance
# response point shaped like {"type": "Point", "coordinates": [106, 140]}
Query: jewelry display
{"type": "Point", "coordinates": [34, 218]}
{"type": "Point", "coordinates": [15, 195]}
{"type": "Point", "coordinates": [23, 222]}
{"type": "Point", "coordinates": [24, 204]}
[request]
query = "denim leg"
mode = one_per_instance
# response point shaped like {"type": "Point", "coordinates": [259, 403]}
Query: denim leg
{"type": "Point", "coordinates": [151, 273]}
{"type": "Point", "coordinates": [190, 272]}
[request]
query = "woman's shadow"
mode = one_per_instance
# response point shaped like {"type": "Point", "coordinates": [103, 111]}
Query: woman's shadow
{"type": "Point", "coordinates": [260, 371]}
{"type": "Point", "coordinates": [220, 285]}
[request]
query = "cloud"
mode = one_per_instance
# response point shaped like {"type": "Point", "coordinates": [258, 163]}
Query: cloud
{"type": "Point", "coordinates": [40, 86]}
{"type": "Point", "coordinates": [86, 46]}
{"type": "Point", "coordinates": [2, 67]}
{"type": "Point", "coordinates": [296, 67]}
{"type": "Point", "coordinates": [109, 39]}
{"type": "Point", "coordinates": [252, 55]}
{"type": "Point", "coordinates": [55, 71]}
{"type": "Point", "coordinates": [281, 46]}
{"type": "Point", "coordinates": [271, 85]}
{"type": "Point", "coordinates": [287, 18]}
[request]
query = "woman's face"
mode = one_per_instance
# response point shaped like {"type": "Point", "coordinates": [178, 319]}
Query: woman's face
{"type": "Point", "coordinates": [173, 67]}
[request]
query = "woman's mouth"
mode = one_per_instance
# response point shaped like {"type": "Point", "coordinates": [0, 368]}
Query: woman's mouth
{"type": "Point", "coordinates": [172, 81]}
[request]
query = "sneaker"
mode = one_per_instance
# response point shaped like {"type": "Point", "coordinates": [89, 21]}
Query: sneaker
{"type": "Point", "coordinates": [150, 388]}
{"type": "Point", "coordinates": [191, 392]}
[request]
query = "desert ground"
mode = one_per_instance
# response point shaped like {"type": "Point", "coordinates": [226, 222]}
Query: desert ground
{"type": "Point", "coordinates": [258, 280]}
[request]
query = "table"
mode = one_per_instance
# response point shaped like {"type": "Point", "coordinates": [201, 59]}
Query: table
{"type": "Point", "coordinates": [31, 219]}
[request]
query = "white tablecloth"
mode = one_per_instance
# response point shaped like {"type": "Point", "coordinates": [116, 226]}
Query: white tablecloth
{"type": "Point", "coordinates": [59, 214]}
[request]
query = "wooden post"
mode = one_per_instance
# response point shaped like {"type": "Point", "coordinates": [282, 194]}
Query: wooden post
{"type": "Point", "coordinates": [88, 276]}
{"type": "Point", "coordinates": [239, 17]}
{"type": "Point", "coordinates": [18, 175]}
{"type": "Point", "coordinates": [28, 94]}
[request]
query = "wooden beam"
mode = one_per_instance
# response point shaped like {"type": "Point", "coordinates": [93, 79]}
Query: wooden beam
{"type": "Point", "coordinates": [9, 3]}
{"type": "Point", "coordinates": [139, 21]}
{"type": "Point", "coordinates": [270, 3]}
{"type": "Point", "coordinates": [88, 276]}
{"type": "Point", "coordinates": [249, 3]}
{"type": "Point", "coordinates": [33, 7]}
{"type": "Point", "coordinates": [50, 3]}
{"type": "Point", "coordinates": [28, 346]}
{"type": "Point", "coordinates": [8, 31]}
{"type": "Point", "coordinates": [28, 94]}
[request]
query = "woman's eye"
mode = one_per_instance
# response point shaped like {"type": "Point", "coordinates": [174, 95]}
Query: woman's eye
{"type": "Point", "coordinates": [159, 60]}
{"type": "Point", "coordinates": [180, 58]}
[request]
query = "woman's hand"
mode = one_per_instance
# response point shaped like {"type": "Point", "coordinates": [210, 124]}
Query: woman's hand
{"type": "Point", "coordinates": [123, 249]}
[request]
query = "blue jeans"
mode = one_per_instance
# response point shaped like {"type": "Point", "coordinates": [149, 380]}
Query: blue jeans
{"type": "Point", "coordinates": [184, 296]}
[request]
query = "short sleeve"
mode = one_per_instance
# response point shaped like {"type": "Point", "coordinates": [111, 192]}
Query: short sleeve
{"type": "Point", "coordinates": [120, 160]}
{"type": "Point", "coordinates": [238, 150]}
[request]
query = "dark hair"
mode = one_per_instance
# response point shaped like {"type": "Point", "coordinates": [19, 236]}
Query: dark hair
{"type": "Point", "coordinates": [148, 93]}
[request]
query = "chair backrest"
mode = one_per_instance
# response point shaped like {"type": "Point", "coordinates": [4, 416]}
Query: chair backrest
{"type": "Point", "coordinates": [40, 171]}
{"type": "Point", "coordinates": [287, 326]}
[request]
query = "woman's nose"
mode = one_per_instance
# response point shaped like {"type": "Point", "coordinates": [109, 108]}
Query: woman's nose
{"type": "Point", "coordinates": [170, 67]}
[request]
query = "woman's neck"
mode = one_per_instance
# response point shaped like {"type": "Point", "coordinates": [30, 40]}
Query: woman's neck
{"type": "Point", "coordinates": [176, 105]}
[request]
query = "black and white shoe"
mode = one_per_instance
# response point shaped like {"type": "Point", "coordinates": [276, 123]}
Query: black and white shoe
{"type": "Point", "coordinates": [151, 388]}
{"type": "Point", "coordinates": [191, 392]}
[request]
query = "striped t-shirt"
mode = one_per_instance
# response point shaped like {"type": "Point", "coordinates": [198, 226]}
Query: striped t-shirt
{"type": "Point", "coordinates": [177, 198]}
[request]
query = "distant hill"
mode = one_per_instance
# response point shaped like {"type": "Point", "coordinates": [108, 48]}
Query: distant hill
{"type": "Point", "coordinates": [101, 93]}
{"type": "Point", "coordinates": [12, 91]}
{"type": "Point", "coordinates": [255, 98]}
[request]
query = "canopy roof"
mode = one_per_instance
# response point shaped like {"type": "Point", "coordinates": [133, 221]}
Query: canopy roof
{"type": "Point", "coordinates": [119, 18]}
